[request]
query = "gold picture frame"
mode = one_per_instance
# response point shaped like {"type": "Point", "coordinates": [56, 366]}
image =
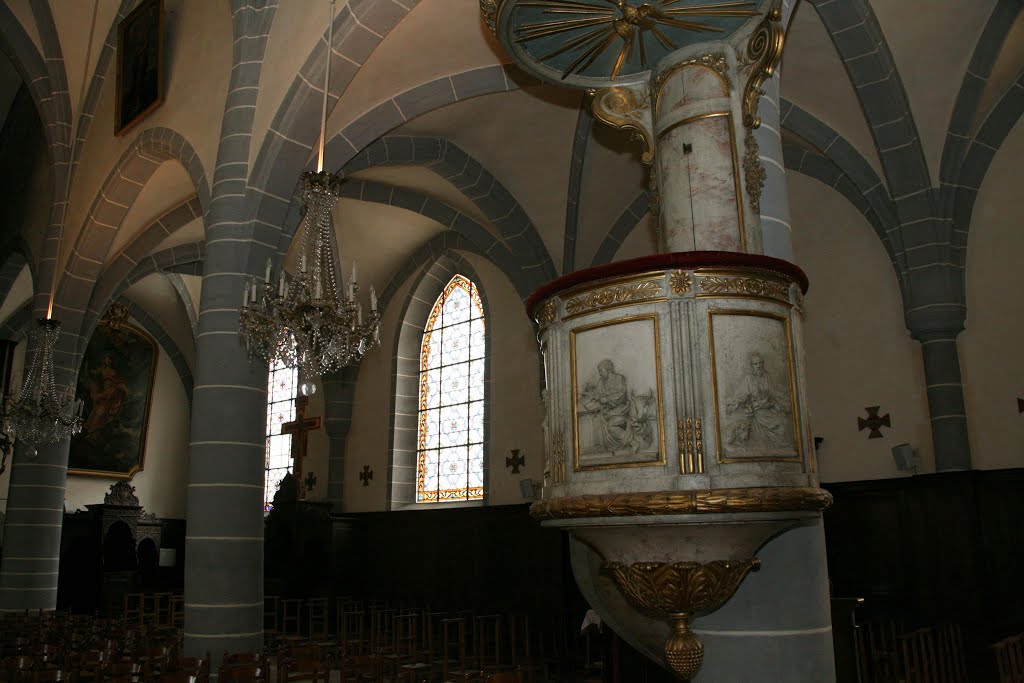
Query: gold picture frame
{"type": "Point", "coordinates": [659, 456]}
{"type": "Point", "coordinates": [793, 395]}
{"type": "Point", "coordinates": [140, 68]}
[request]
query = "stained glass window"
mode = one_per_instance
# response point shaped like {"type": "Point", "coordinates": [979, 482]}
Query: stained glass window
{"type": "Point", "coordinates": [281, 390]}
{"type": "Point", "coordinates": [450, 462]}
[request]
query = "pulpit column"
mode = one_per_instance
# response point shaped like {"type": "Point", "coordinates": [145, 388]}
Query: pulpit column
{"type": "Point", "coordinates": [679, 453]}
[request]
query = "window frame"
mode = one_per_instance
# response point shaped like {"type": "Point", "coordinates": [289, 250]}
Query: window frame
{"type": "Point", "coordinates": [403, 437]}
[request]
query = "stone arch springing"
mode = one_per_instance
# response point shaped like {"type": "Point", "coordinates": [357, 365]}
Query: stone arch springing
{"type": "Point", "coordinates": [148, 151]}
{"type": "Point", "coordinates": [122, 265]}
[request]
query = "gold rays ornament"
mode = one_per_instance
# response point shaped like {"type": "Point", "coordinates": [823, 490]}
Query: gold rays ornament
{"type": "Point", "coordinates": [606, 23]}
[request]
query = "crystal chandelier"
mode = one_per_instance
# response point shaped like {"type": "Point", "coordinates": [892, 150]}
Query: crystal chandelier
{"type": "Point", "coordinates": [38, 415]}
{"type": "Point", "coordinates": [313, 320]}
{"type": "Point", "coordinates": [309, 321]}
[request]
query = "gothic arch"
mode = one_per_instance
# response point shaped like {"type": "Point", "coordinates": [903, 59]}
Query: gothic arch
{"type": "Point", "coordinates": [472, 179]}
{"type": "Point", "coordinates": [273, 189]}
{"type": "Point", "coordinates": [167, 260]}
{"type": "Point", "coordinates": [122, 265]}
{"type": "Point", "coordinates": [124, 183]}
{"type": "Point", "coordinates": [404, 413]}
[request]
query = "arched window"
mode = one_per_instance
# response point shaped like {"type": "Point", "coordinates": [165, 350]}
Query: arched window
{"type": "Point", "coordinates": [450, 435]}
{"type": "Point", "coordinates": [281, 391]}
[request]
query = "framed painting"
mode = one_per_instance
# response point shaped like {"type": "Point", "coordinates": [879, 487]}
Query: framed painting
{"type": "Point", "coordinates": [140, 56]}
{"type": "Point", "coordinates": [616, 398]}
{"type": "Point", "coordinates": [115, 382]}
{"type": "Point", "coordinates": [754, 386]}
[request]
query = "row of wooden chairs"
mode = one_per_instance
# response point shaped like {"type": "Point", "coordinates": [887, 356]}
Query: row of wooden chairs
{"type": "Point", "coordinates": [1009, 653]}
{"type": "Point", "coordinates": [889, 653]}
{"type": "Point", "coordinates": [161, 609]}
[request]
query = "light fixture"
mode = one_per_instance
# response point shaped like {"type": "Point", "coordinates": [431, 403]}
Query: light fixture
{"type": "Point", "coordinates": [38, 415]}
{"type": "Point", "coordinates": [313, 320]}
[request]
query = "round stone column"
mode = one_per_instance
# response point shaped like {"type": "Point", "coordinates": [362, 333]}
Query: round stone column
{"type": "Point", "coordinates": [679, 456]}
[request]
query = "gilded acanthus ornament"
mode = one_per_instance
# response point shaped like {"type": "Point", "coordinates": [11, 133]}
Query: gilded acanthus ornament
{"type": "Point", "coordinates": [767, 499]}
{"type": "Point", "coordinates": [744, 286]}
{"type": "Point", "coordinates": [627, 108]}
{"type": "Point", "coordinates": [558, 459]}
{"type": "Point", "coordinates": [764, 50]}
{"type": "Point", "coordinates": [546, 312]}
{"type": "Point", "coordinates": [679, 591]}
{"type": "Point", "coordinates": [753, 171]}
{"type": "Point", "coordinates": [609, 296]}
{"type": "Point", "coordinates": [691, 446]}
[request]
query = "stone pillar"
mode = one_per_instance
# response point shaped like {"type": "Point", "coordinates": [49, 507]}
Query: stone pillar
{"type": "Point", "coordinates": [35, 510]}
{"type": "Point", "coordinates": [679, 456]}
{"type": "Point", "coordinates": [935, 316]}
{"type": "Point", "coordinates": [35, 515]}
{"type": "Point", "coordinates": [224, 513]}
{"type": "Point", "coordinates": [339, 388]}
{"type": "Point", "coordinates": [945, 398]}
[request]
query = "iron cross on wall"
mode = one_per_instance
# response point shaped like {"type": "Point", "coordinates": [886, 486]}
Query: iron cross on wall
{"type": "Point", "coordinates": [300, 429]}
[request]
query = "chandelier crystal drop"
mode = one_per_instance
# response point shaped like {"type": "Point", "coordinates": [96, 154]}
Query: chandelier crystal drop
{"type": "Point", "coordinates": [312, 320]}
{"type": "Point", "coordinates": [38, 415]}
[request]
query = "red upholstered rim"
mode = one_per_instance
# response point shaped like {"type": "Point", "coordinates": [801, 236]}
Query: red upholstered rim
{"type": "Point", "coordinates": [681, 260]}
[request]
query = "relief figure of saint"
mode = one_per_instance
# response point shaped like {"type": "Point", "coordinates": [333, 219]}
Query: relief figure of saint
{"type": "Point", "coordinates": [623, 417]}
{"type": "Point", "coordinates": [761, 410]}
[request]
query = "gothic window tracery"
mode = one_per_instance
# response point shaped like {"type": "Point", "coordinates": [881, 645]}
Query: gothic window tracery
{"type": "Point", "coordinates": [450, 435]}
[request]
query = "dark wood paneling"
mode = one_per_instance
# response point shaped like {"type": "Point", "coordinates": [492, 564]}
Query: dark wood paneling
{"type": "Point", "coordinates": [933, 548]}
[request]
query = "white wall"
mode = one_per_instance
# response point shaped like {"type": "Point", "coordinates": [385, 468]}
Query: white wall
{"type": "Point", "coordinates": [859, 352]}
{"type": "Point", "coordinates": [515, 408]}
{"type": "Point", "coordinates": [161, 484]}
{"type": "Point", "coordinates": [991, 356]}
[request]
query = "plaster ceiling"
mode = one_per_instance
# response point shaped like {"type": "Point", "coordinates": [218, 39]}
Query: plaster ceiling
{"type": "Point", "coordinates": [524, 138]}
{"type": "Point", "coordinates": [931, 43]}
{"type": "Point", "coordinates": [422, 48]}
{"type": "Point", "coordinates": [428, 182]}
{"type": "Point", "coordinates": [1006, 69]}
{"type": "Point", "coordinates": [378, 236]}
{"type": "Point", "coordinates": [158, 297]}
{"type": "Point", "coordinates": [169, 187]}
{"type": "Point", "coordinates": [814, 79]}
{"type": "Point", "coordinates": [190, 232]}
{"type": "Point", "coordinates": [82, 27]}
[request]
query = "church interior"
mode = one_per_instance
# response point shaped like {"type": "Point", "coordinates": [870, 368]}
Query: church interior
{"type": "Point", "coordinates": [699, 317]}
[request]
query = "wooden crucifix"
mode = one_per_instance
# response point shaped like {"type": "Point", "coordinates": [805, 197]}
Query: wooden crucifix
{"type": "Point", "coordinates": [300, 429]}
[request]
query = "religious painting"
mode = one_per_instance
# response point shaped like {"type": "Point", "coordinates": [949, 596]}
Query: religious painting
{"type": "Point", "coordinates": [140, 85]}
{"type": "Point", "coordinates": [754, 386]}
{"type": "Point", "coordinates": [115, 382]}
{"type": "Point", "coordinates": [617, 404]}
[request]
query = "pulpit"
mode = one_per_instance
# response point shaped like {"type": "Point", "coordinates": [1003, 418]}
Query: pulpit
{"type": "Point", "coordinates": [114, 547]}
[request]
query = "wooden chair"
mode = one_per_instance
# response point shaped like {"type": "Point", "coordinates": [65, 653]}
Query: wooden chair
{"type": "Point", "coordinates": [317, 618]}
{"type": "Point", "coordinates": [351, 632]}
{"type": "Point", "coordinates": [362, 669]}
{"type": "Point", "coordinates": [488, 643]}
{"type": "Point", "coordinates": [1009, 654]}
{"type": "Point", "coordinates": [195, 667]}
{"type": "Point", "coordinates": [291, 609]}
{"type": "Point", "coordinates": [244, 667]}
{"type": "Point", "coordinates": [125, 672]}
{"type": "Point", "coordinates": [53, 675]}
{"type": "Point", "coordinates": [304, 664]}
{"type": "Point", "coordinates": [515, 676]}
{"type": "Point", "coordinates": [878, 650]}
